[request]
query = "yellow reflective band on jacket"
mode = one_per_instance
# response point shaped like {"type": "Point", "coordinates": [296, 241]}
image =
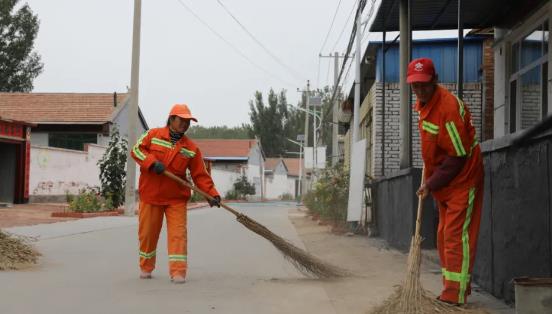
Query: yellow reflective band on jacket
{"type": "Point", "coordinates": [187, 153]}
{"type": "Point", "coordinates": [147, 255]}
{"type": "Point", "coordinates": [136, 148]}
{"type": "Point", "coordinates": [430, 127]}
{"type": "Point", "coordinates": [461, 108]}
{"type": "Point", "coordinates": [160, 142]}
{"type": "Point", "coordinates": [178, 258]}
{"type": "Point", "coordinates": [474, 144]}
{"type": "Point", "coordinates": [455, 138]}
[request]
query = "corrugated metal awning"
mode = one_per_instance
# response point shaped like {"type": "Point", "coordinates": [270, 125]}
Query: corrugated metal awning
{"type": "Point", "coordinates": [442, 14]}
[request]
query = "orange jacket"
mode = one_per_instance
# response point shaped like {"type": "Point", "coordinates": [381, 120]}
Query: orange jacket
{"type": "Point", "coordinates": [446, 129]}
{"type": "Point", "coordinates": [155, 145]}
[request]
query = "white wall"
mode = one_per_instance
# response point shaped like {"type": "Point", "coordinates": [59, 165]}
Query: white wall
{"type": "Point", "coordinates": [56, 171]}
{"type": "Point", "coordinates": [255, 171]}
{"type": "Point", "coordinates": [224, 179]}
{"type": "Point", "coordinates": [277, 183]}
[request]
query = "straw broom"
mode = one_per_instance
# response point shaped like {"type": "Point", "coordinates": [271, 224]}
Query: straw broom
{"type": "Point", "coordinates": [306, 263]}
{"type": "Point", "coordinates": [411, 297]}
{"type": "Point", "coordinates": [15, 252]}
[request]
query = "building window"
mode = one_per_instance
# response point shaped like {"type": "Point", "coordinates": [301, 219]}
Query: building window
{"type": "Point", "coordinates": [529, 79]}
{"type": "Point", "coordinates": [73, 141]}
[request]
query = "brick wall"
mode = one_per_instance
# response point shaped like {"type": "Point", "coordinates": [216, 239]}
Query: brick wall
{"type": "Point", "coordinates": [472, 98]}
{"type": "Point", "coordinates": [488, 89]}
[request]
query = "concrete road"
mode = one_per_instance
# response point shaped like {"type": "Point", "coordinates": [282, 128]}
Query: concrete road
{"type": "Point", "coordinates": [90, 266]}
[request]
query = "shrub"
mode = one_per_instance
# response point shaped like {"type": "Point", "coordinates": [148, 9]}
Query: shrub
{"type": "Point", "coordinates": [330, 195]}
{"type": "Point", "coordinates": [286, 197]}
{"type": "Point", "coordinates": [243, 187]}
{"type": "Point", "coordinates": [196, 197]}
{"type": "Point", "coordinates": [112, 170]}
{"type": "Point", "coordinates": [89, 200]}
{"type": "Point", "coordinates": [231, 195]}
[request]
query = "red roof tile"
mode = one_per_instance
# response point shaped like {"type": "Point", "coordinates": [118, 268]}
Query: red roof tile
{"type": "Point", "coordinates": [292, 165]}
{"type": "Point", "coordinates": [211, 148]}
{"type": "Point", "coordinates": [59, 107]}
{"type": "Point", "coordinates": [271, 163]}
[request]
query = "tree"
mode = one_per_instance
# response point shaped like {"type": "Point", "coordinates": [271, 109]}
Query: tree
{"type": "Point", "coordinates": [112, 169]}
{"type": "Point", "coordinates": [219, 132]}
{"type": "Point", "coordinates": [272, 123]}
{"type": "Point", "coordinates": [19, 64]}
{"type": "Point", "coordinates": [243, 188]}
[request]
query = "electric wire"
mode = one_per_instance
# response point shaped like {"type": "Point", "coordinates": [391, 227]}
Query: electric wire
{"type": "Point", "coordinates": [331, 26]}
{"type": "Point", "coordinates": [270, 53]}
{"type": "Point", "coordinates": [239, 52]}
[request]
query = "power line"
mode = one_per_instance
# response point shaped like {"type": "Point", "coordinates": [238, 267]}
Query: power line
{"type": "Point", "coordinates": [331, 26]}
{"type": "Point", "coordinates": [361, 5]}
{"type": "Point", "coordinates": [291, 70]}
{"type": "Point", "coordinates": [345, 25]}
{"type": "Point", "coordinates": [232, 46]}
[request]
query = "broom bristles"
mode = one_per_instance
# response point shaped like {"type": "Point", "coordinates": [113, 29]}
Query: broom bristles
{"type": "Point", "coordinates": [304, 262]}
{"type": "Point", "coordinates": [16, 252]}
{"type": "Point", "coordinates": [411, 297]}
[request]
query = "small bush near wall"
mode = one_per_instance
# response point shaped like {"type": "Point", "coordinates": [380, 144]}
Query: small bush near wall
{"type": "Point", "coordinates": [89, 200]}
{"type": "Point", "coordinates": [329, 197]}
{"type": "Point", "coordinates": [196, 197]}
{"type": "Point", "coordinates": [242, 188]}
{"type": "Point", "coordinates": [286, 197]}
{"type": "Point", "coordinates": [231, 195]}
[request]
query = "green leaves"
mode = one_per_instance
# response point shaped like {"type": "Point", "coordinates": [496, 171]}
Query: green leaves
{"type": "Point", "coordinates": [19, 65]}
{"type": "Point", "coordinates": [112, 169]}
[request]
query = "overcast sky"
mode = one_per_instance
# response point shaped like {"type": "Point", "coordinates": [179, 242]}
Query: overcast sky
{"type": "Point", "coordinates": [86, 47]}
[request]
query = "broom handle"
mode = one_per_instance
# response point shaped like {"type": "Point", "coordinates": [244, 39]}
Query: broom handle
{"type": "Point", "coordinates": [207, 196]}
{"type": "Point", "coordinates": [420, 207]}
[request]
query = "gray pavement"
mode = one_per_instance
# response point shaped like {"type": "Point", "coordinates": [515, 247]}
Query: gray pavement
{"type": "Point", "coordinates": [90, 266]}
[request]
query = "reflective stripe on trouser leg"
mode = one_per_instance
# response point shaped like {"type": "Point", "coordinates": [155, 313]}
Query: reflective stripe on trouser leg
{"type": "Point", "coordinates": [177, 239]}
{"type": "Point", "coordinates": [441, 234]}
{"type": "Point", "coordinates": [150, 220]}
{"type": "Point", "coordinates": [462, 219]}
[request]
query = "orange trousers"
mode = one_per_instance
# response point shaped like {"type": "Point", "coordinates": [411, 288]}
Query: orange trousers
{"type": "Point", "coordinates": [150, 221]}
{"type": "Point", "coordinates": [459, 220]}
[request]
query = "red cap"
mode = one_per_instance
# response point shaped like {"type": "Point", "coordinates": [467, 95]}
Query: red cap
{"type": "Point", "coordinates": [182, 111]}
{"type": "Point", "coordinates": [420, 70]}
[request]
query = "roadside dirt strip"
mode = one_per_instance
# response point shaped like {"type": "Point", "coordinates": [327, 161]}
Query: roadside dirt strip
{"type": "Point", "coordinates": [377, 268]}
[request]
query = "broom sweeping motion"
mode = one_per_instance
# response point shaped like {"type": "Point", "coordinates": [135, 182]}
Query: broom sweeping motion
{"type": "Point", "coordinates": [306, 263]}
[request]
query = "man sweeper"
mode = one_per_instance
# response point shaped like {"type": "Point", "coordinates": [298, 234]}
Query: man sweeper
{"type": "Point", "coordinates": [453, 175]}
{"type": "Point", "coordinates": [157, 150]}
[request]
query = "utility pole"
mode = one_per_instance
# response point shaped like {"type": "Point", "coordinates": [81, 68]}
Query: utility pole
{"type": "Point", "coordinates": [130, 193]}
{"type": "Point", "coordinates": [335, 125]}
{"type": "Point", "coordinates": [335, 108]}
{"type": "Point", "coordinates": [306, 139]}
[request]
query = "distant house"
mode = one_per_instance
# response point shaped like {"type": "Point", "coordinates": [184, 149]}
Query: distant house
{"type": "Point", "coordinates": [294, 170]}
{"type": "Point", "coordinates": [70, 120]}
{"type": "Point", "coordinates": [276, 179]}
{"type": "Point", "coordinates": [229, 159]}
{"type": "Point", "coordinates": [69, 134]}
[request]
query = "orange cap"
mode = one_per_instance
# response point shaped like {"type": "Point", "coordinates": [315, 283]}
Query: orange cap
{"type": "Point", "coordinates": [182, 111]}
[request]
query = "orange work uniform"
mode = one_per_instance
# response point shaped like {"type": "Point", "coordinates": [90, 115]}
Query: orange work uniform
{"type": "Point", "coordinates": [446, 130]}
{"type": "Point", "coordinates": [160, 195]}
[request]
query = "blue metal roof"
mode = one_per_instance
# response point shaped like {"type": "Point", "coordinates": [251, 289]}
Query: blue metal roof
{"type": "Point", "coordinates": [443, 54]}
